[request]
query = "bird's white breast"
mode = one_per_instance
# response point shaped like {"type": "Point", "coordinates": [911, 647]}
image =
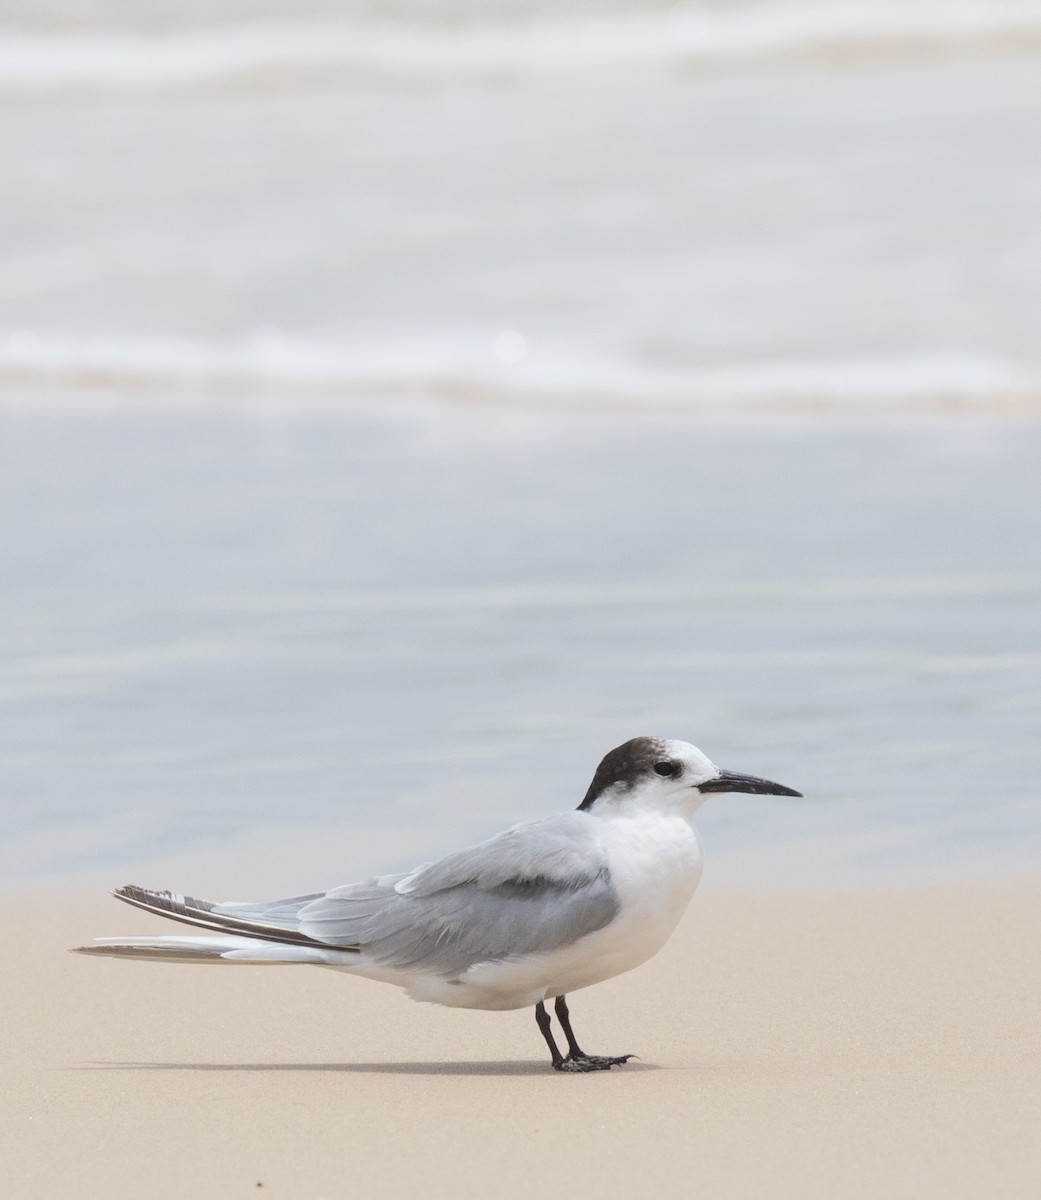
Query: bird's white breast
{"type": "Point", "coordinates": [655, 865]}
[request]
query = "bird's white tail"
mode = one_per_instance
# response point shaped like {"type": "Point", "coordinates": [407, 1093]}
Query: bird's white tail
{"type": "Point", "coordinates": [175, 948]}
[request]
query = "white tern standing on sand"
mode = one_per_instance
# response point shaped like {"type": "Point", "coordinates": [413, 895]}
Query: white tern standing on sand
{"type": "Point", "coordinates": [530, 915]}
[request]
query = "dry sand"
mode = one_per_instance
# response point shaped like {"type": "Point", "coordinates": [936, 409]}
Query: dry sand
{"type": "Point", "coordinates": [857, 1045]}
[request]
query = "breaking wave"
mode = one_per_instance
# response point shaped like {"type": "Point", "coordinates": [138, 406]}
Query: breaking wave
{"type": "Point", "coordinates": [113, 60]}
{"type": "Point", "coordinates": [469, 372]}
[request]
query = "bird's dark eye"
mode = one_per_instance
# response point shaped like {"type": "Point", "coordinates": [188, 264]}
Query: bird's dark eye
{"type": "Point", "coordinates": [668, 769]}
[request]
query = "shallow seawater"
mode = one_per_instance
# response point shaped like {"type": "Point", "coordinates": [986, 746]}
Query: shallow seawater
{"type": "Point", "coordinates": [268, 653]}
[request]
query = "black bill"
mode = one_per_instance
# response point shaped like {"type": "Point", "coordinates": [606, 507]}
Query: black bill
{"type": "Point", "coordinates": [730, 781]}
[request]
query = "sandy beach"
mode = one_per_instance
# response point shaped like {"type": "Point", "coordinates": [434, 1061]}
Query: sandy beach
{"type": "Point", "coordinates": [857, 1045]}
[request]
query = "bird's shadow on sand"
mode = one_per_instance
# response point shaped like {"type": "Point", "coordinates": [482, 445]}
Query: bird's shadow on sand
{"type": "Point", "coordinates": [358, 1068]}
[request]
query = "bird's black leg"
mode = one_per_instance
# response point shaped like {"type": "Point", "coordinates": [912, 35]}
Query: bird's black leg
{"type": "Point", "coordinates": [577, 1059]}
{"type": "Point", "coordinates": [564, 1017]}
{"type": "Point", "coordinates": [542, 1020]}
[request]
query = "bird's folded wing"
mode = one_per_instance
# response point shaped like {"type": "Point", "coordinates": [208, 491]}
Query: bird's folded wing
{"type": "Point", "coordinates": [529, 890]}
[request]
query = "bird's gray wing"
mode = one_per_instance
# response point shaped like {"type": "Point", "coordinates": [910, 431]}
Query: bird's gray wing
{"type": "Point", "coordinates": [532, 889]}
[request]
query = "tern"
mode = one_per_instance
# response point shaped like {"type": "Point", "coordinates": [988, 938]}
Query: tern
{"type": "Point", "coordinates": [526, 917]}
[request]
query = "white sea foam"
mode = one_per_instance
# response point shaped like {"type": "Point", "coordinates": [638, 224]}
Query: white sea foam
{"type": "Point", "coordinates": [687, 36]}
{"type": "Point", "coordinates": [470, 372]}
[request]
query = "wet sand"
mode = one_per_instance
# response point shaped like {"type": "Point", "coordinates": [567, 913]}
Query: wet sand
{"type": "Point", "coordinates": [870, 1044]}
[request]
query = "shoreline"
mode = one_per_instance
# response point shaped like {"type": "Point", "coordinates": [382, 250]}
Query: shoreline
{"type": "Point", "coordinates": [865, 1043]}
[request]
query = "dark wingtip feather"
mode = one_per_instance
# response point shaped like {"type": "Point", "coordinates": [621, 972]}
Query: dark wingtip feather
{"type": "Point", "coordinates": [205, 915]}
{"type": "Point", "coordinates": [164, 903]}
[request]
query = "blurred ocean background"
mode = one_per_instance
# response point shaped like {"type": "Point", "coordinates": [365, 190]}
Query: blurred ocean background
{"type": "Point", "coordinates": [402, 403]}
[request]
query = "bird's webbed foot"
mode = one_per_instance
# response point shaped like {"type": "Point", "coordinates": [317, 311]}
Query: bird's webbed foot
{"type": "Point", "coordinates": [583, 1063]}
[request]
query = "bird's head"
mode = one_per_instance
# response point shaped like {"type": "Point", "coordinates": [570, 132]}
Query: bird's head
{"type": "Point", "coordinates": [654, 773]}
